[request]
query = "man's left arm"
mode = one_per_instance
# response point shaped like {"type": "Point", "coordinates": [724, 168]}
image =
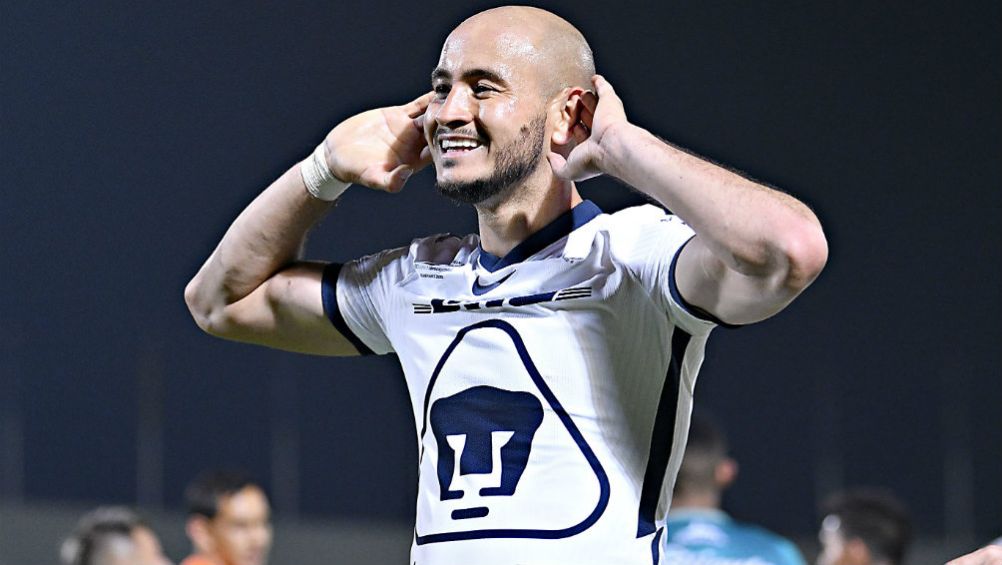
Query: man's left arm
{"type": "Point", "coordinates": [755, 248]}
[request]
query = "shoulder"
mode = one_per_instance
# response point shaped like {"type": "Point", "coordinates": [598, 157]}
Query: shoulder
{"type": "Point", "coordinates": [637, 234]}
{"type": "Point", "coordinates": [753, 531]}
{"type": "Point", "coordinates": [644, 222]}
{"type": "Point", "coordinates": [443, 248]}
{"type": "Point", "coordinates": [644, 215]}
{"type": "Point", "coordinates": [399, 262]}
{"type": "Point", "coordinates": [635, 218]}
{"type": "Point", "coordinates": [785, 550]}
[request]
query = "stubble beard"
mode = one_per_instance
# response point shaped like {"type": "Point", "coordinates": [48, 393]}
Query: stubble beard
{"type": "Point", "coordinates": [514, 163]}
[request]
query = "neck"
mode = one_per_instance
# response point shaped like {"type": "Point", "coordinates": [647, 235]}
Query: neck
{"type": "Point", "coordinates": [709, 500]}
{"type": "Point", "coordinates": [526, 210]}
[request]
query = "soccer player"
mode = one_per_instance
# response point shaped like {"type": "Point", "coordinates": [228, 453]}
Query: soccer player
{"type": "Point", "coordinates": [863, 527]}
{"type": "Point", "coordinates": [698, 531]}
{"type": "Point", "coordinates": [112, 535]}
{"type": "Point", "coordinates": [229, 520]}
{"type": "Point", "coordinates": [550, 359]}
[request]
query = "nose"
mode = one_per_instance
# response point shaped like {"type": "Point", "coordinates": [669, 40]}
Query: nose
{"type": "Point", "coordinates": [457, 110]}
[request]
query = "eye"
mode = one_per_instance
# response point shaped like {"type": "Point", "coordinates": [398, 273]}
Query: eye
{"type": "Point", "coordinates": [442, 89]}
{"type": "Point", "coordinates": [481, 88]}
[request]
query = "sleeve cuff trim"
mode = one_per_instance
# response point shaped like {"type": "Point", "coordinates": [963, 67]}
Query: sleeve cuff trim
{"type": "Point", "coordinates": [333, 311]}
{"type": "Point", "coordinates": [692, 309]}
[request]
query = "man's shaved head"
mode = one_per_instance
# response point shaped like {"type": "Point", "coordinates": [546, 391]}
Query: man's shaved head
{"type": "Point", "coordinates": [507, 80]}
{"type": "Point", "coordinates": [543, 40]}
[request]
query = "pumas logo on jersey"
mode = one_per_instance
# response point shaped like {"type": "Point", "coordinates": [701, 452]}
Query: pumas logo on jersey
{"type": "Point", "coordinates": [486, 456]}
{"type": "Point", "coordinates": [445, 305]}
{"type": "Point", "coordinates": [488, 451]}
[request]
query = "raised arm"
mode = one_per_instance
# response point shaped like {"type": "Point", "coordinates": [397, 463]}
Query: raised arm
{"type": "Point", "coordinates": [254, 287]}
{"type": "Point", "coordinates": [755, 248]}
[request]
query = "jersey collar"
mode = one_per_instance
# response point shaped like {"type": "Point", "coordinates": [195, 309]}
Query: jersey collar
{"type": "Point", "coordinates": [563, 225]}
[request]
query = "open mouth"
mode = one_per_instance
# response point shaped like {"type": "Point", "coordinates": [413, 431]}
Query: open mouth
{"type": "Point", "coordinates": [457, 147]}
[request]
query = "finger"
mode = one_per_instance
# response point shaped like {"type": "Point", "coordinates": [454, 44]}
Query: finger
{"type": "Point", "coordinates": [590, 101]}
{"type": "Point", "coordinates": [577, 166]}
{"type": "Point", "coordinates": [416, 107]}
{"type": "Point", "coordinates": [602, 86]}
{"type": "Point", "coordinates": [587, 119]}
{"type": "Point", "coordinates": [424, 159]}
{"type": "Point", "coordinates": [396, 178]}
{"type": "Point", "coordinates": [586, 115]}
{"type": "Point", "coordinates": [612, 102]}
{"type": "Point", "coordinates": [379, 178]}
{"type": "Point", "coordinates": [581, 133]}
{"type": "Point", "coordinates": [557, 163]}
{"type": "Point", "coordinates": [571, 168]}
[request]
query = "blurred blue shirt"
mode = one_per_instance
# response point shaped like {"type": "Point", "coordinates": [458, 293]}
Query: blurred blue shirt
{"type": "Point", "coordinates": [711, 537]}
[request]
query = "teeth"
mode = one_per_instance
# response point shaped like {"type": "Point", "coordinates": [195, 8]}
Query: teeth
{"type": "Point", "coordinates": [448, 144]}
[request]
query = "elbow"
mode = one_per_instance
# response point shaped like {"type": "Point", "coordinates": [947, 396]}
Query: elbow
{"type": "Point", "coordinates": [200, 308]}
{"type": "Point", "coordinates": [805, 250]}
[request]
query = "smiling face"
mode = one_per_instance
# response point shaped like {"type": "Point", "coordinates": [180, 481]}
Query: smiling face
{"type": "Point", "coordinates": [488, 121]}
{"type": "Point", "coordinates": [494, 107]}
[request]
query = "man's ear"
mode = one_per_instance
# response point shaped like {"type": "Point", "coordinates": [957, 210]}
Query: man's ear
{"type": "Point", "coordinates": [725, 472]}
{"type": "Point", "coordinates": [569, 111]}
{"type": "Point", "coordinates": [198, 532]}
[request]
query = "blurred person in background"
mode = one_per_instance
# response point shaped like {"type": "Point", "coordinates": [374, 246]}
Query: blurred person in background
{"type": "Point", "coordinates": [698, 530]}
{"type": "Point", "coordinates": [863, 527]}
{"type": "Point", "coordinates": [112, 535]}
{"type": "Point", "coordinates": [229, 520]}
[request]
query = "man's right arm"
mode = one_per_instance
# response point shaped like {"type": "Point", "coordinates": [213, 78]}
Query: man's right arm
{"type": "Point", "coordinates": [254, 287]}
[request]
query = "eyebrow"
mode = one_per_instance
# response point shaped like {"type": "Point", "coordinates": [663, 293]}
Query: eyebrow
{"type": "Point", "coordinates": [471, 74]}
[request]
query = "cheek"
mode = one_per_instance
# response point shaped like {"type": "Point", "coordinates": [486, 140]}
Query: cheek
{"type": "Point", "coordinates": [233, 540]}
{"type": "Point", "coordinates": [499, 112]}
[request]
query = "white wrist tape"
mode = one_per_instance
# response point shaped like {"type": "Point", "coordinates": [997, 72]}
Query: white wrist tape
{"type": "Point", "coordinates": [319, 179]}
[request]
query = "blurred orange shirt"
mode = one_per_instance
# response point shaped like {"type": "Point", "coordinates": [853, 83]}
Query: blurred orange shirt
{"type": "Point", "coordinates": [198, 560]}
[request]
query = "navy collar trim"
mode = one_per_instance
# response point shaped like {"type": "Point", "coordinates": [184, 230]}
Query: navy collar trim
{"type": "Point", "coordinates": [555, 230]}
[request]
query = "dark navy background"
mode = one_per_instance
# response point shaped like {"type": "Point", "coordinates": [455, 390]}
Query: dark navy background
{"type": "Point", "coordinates": [133, 133]}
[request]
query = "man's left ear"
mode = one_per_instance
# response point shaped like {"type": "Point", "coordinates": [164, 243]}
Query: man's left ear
{"type": "Point", "coordinates": [725, 472]}
{"type": "Point", "coordinates": [570, 109]}
{"type": "Point", "coordinates": [197, 528]}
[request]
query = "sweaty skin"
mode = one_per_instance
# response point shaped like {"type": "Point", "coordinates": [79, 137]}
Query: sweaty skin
{"type": "Point", "coordinates": [530, 36]}
{"type": "Point", "coordinates": [535, 55]}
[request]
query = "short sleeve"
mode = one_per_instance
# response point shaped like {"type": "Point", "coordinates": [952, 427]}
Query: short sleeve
{"type": "Point", "coordinates": [651, 246]}
{"type": "Point", "coordinates": [356, 296]}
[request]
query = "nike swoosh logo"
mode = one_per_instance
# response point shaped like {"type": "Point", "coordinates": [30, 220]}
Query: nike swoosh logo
{"type": "Point", "coordinates": [478, 289]}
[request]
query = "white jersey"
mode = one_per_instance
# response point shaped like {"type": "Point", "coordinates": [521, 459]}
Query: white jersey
{"type": "Point", "coordinates": [551, 388]}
